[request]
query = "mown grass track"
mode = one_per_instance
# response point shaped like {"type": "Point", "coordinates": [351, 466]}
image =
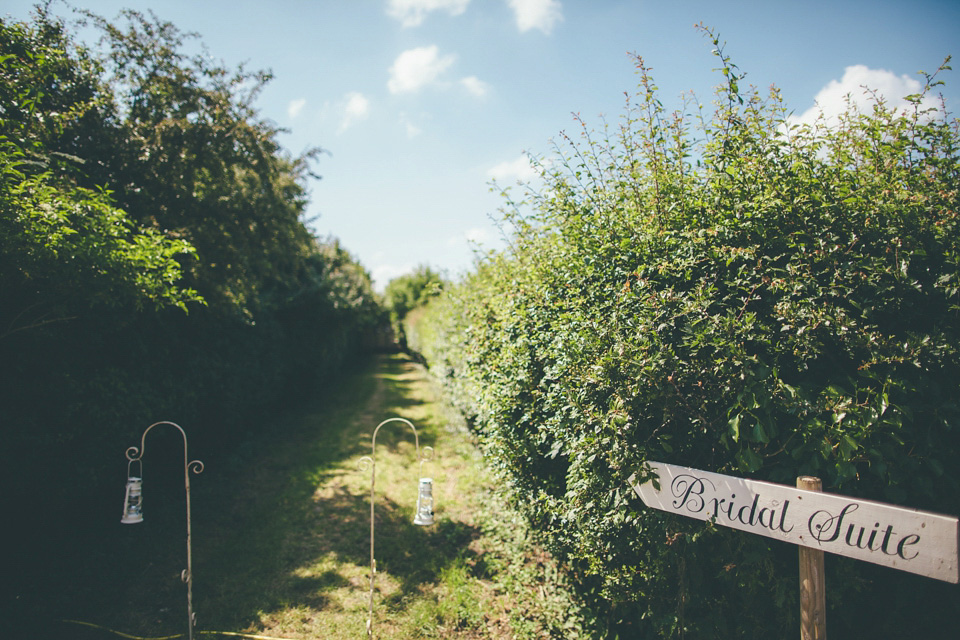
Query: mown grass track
{"type": "Point", "coordinates": [281, 535]}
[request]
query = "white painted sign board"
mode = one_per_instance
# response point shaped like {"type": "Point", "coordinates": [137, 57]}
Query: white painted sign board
{"type": "Point", "coordinates": [916, 541]}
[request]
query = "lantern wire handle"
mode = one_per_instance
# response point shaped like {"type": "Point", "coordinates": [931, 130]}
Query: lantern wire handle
{"type": "Point", "coordinates": [368, 462]}
{"type": "Point", "coordinates": [135, 455]}
{"type": "Point", "coordinates": [130, 464]}
{"type": "Point", "coordinates": [426, 457]}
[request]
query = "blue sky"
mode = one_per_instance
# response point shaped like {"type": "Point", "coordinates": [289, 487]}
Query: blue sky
{"type": "Point", "coordinates": [421, 103]}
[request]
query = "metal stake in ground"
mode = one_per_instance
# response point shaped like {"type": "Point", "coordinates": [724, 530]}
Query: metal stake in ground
{"type": "Point", "coordinates": [132, 513]}
{"type": "Point", "coordinates": [424, 515]}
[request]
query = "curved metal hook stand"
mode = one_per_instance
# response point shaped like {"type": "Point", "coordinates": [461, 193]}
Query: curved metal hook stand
{"type": "Point", "coordinates": [369, 462]}
{"type": "Point", "coordinates": [135, 454]}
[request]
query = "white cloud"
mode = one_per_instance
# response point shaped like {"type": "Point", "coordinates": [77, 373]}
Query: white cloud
{"type": "Point", "coordinates": [475, 86]}
{"type": "Point", "coordinates": [295, 107]}
{"type": "Point", "coordinates": [356, 108]}
{"type": "Point", "coordinates": [517, 170]}
{"type": "Point", "coordinates": [412, 130]}
{"type": "Point", "coordinates": [536, 14]}
{"type": "Point", "coordinates": [477, 235]}
{"type": "Point", "coordinates": [382, 274]}
{"type": "Point", "coordinates": [832, 99]}
{"type": "Point", "coordinates": [416, 68]}
{"type": "Point", "coordinates": [411, 13]}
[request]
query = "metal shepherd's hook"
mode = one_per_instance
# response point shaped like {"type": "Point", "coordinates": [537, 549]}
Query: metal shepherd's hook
{"type": "Point", "coordinates": [133, 514]}
{"type": "Point", "coordinates": [424, 515]}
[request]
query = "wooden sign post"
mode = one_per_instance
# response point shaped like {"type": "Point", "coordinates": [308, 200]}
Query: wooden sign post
{"type": "Point", "coordinates": [813, 589]}
{"type": "Point", "coordinates": [906, 539]}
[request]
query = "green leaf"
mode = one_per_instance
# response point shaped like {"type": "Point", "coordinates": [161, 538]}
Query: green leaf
{"type": "Point", "coordinates": [734, 424]}
{"type": "Point", "coordinates": [749, 461]}
{"type": "Point", "coordinates": [760, 434]}
{"type": "Point", "coordinates": [848, 445]}
{"type": "Point", "coordinates": [846, 470]}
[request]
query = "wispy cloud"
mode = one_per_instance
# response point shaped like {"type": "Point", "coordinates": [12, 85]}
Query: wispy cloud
{"type": "Point", "coordinates": [476, 238]}
{"type": "Point", "coordinates": [858, 83]}
{"type": "Point", "coordinates": [517, 170]}
{"type": "Point", "coordinates": [356, 107]}
{"type": "Point", "coordinates": [412, 13]}
{"type": "Point", "coordinates": [412, 129]}
{"type": "Point", "coordinates": [473, 237]}
{"type": "Point", "coordinates": [295, 107]}
{"type": "Point", "coordinates": [416, 68]}
{"type": "Point", "coordinates": [536, 14]}
{"type": "Point", "coordinates": [475, 86]}
{"type": "Point", "coordinates": [477, 235]}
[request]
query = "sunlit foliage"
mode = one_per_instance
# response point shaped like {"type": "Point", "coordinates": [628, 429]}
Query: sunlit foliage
{"type": "Point", "coordinates": [735, 293]}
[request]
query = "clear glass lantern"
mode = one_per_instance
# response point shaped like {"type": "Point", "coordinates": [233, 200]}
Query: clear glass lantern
{"type": "Point", "coordinates": [424, 503]}
{"type": "Point", "coordinates": [133, 502]}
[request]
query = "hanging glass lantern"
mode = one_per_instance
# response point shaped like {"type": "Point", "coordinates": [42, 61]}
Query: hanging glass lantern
{"type": "Point", "coordinates": [132, 502]}
{"type": "Point", "coordinates": [424, 503]}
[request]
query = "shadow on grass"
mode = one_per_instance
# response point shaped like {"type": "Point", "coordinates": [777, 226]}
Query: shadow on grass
{"type": "Point", "coordinates": [399, 400]}
{"type": "Point", "coordinates": [264, 538]}
{"type": "Point", "coordinates": [413, 555]}
{"type": "Point", "coordinates": [280, 542]}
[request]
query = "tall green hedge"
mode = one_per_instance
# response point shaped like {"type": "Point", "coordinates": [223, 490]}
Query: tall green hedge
{"type": "Point", "coordinates": [154, 261]}
{"type": "Point", "coordinates": [732, 292]}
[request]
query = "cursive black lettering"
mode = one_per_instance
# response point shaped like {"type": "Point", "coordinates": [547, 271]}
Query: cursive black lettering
{"type": "Point", "coordinates": [730, 506]}
{"type": "Point", "coordinates": [828, 524]}
{"type": "Point", "coordinates": [751, 512]}
{"type": "Point", "coordinates": [717, 505]}
{"type": "Point", "coordinates": [766, 512]}
{"type": "Point", "coordinates": [907, 540]}
{"type": "Point", "coordinates": [860, 544]}
{"type": "Point", "coordinates": [826, 527]}
{"type": "Point", "coordinates": [688, 491]}
{"type": "Point", "coordinates": [886, 540]}
{"type": "Point", "coordinates": [783, 518]}
{"type": "Point", "coordinates": [873, 536]}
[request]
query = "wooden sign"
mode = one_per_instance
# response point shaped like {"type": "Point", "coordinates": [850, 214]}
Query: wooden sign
{"type": "Point", "coordinates": [916, 541]}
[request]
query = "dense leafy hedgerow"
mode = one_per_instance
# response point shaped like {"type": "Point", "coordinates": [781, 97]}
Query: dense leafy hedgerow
{"type": "Point", "coordinates": [739, 294]}
{"type": "Point", "coordinates": [139, 183]}
{"type": "Point", "coordinates": [406, 294]}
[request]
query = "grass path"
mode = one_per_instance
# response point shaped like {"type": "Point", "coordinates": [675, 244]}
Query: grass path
{"type": "Point", "coordinates": [281, 535]}
{"type": "Point", "coordinates": [300, 519]}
